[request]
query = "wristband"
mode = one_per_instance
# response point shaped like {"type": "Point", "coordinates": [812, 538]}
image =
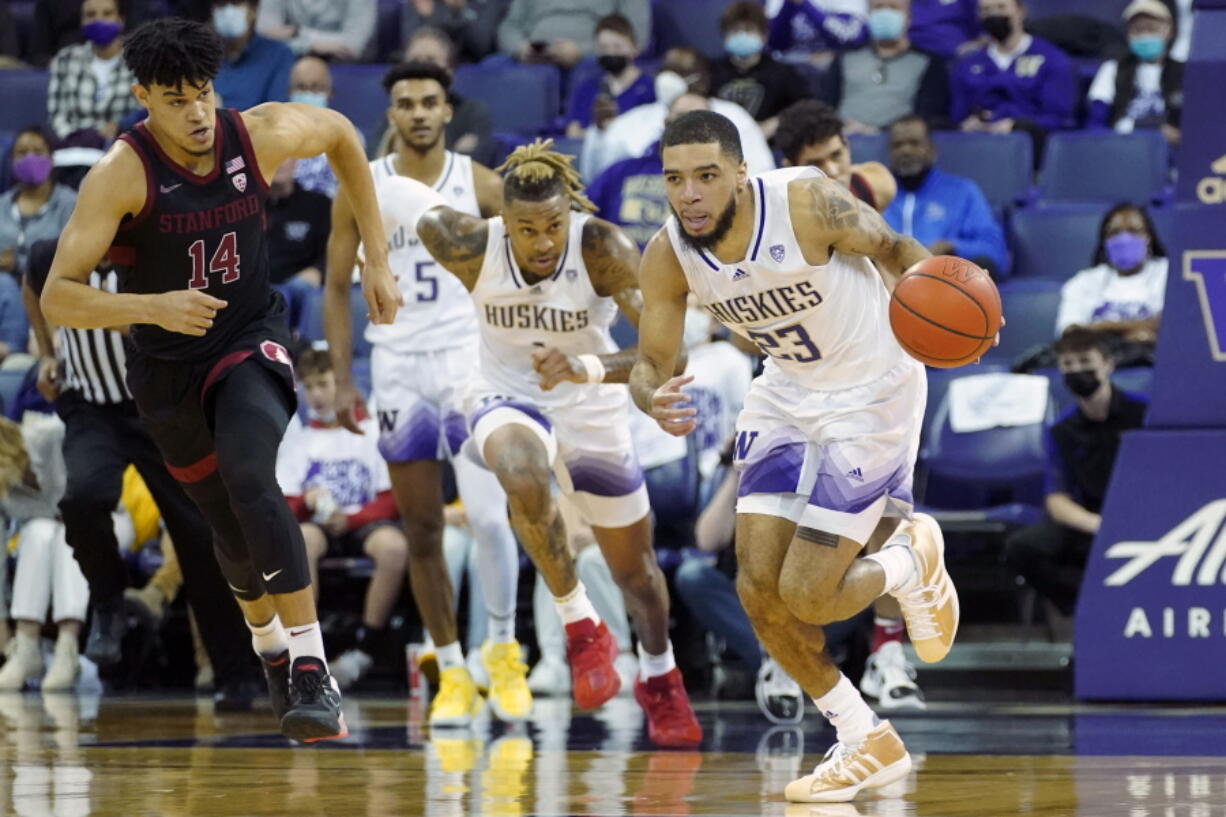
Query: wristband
{"type": "Point", "coordinates": [594, 367]}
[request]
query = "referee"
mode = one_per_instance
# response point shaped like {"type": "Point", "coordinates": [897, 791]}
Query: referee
{"type": "Point", "coordinates": [103, 435]}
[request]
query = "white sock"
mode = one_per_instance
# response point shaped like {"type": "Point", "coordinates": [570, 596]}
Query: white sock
{"type": "Point", "coordinates": [450, 656]}
{"type": "Point", "coordinates": [501, 628]}
{"type": "Point", "coordinates": [653, 666]}
{"type": "Point", "coordinates": [847, 712]}
{"type": "Point", "coordinates": [576, 606]}
{"type": "Point", "coordinates": [897, 562]}
{"type": "Point", "coordinates": [268, 640]}
{"type": "Point", "coordinates": [306, 641]}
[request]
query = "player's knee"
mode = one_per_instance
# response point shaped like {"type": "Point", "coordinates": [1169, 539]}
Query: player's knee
{"type": "Point", "coordinates": [528, 491]}
{"type": "Point", "coordinates": [758, 592]}
{"type": "Point", "coordinates": [387, 547]}
{"type": "Point", "coordinates": [804, 599]}
{"type": "Point", "coordinates": [635, 574]}
{"type": "Point", "coordinates": [423, 527]}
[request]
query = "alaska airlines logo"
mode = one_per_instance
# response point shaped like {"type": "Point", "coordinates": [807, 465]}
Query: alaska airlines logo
{"type": "Point", "coordinates": [1199, 542]}
{"type": "Point", "coordinates": [1207, 269]}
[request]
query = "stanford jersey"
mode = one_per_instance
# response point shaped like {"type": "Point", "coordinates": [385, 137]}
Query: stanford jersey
{"type": "Point", "coordinates": [198, 232]}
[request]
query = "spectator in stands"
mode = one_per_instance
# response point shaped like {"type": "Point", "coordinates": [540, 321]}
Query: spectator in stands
{"type": "Point", "coordinates": [888, 79]}
{"type": "Point", "coordinates": [90, 86]}
{"type": "Point", "coordinates": [470, 130]}
{"type": "Point", "coordinates": [630, 193]}
{"type": "Point", "coordinates": [57, 25]}
{"type": "Point", "coordinates": [808, 29]}
{"type": "Point", "coordinates": [944, 27]}
{"type": "Point", "coordinates": [621, 86]}
{"type": "Point", "coordinates": [1145, 88]}
{"type": "Point", "coordinates": [471, 24]}
{"type": "Point", "coordinates": [310, 83]}
{"type": "Point", "coordinates": [338, 486]}
{"type": "Point", "coordinates": [339, 29]}
{"type": "Point", "coordinates": [748, 75]}
{"type": "Point", "coordinates": [36, 207]}
{"type": "Point", "coordinates": [948, 214]}
{"type": "Point", "coordinates": [1082, 445]}
{"type": "Point", "coordinates": [32, 479]}
{"type": "Point", "coordinates": [1122, 294]}
{"type": "Point", "coordinates": [811, 133]}
{"type": "Point", "coordinates": [1016, 82]}
{"type": "Point", "coordinates": [298, 225]}
{"type": "Point", "coordinates": [560, 31]}
{"type": "Point", "coordinates": [256, 69]}
{"type": "Point", "coordinates": [633, 133]}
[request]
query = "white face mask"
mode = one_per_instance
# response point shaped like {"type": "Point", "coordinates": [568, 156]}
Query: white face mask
{"type": "Point", "coordinates": [669, 86]}
{"type": "Point", "coordinates": [697, 327]}
{"type": "Point", "coordinates": [327, 416]}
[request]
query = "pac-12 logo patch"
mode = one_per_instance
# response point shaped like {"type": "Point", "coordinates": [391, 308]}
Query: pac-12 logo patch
{"type": "Point", "coordinates": [777, 252]}
{"type": "Point", "coordinates": [240, 181]}
{"type": "Point", "coordinates": [276, 353]}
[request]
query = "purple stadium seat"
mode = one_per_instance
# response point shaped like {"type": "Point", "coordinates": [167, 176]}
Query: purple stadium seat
{"type": "Point", "coordinates": [1103, 166]}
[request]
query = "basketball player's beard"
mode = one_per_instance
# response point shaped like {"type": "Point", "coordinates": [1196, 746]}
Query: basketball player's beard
{"type": "Point", "coordinates": [707, 242]}
{"type": "Point", "coordinates": [420, 150]}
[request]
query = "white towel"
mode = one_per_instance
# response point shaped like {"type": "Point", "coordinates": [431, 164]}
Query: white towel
{"type": "Point", "coordinates": [982, 401]}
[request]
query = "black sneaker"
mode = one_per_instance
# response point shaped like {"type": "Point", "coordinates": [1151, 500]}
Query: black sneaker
{"type": "Point", "coordinates": [315, 704]}
{"type": "Point", "coordinates": [276, 673]}
{"type": "Point", "coordinates": [105, 644]}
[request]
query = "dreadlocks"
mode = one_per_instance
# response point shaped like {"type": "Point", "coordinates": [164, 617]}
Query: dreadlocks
{"type": "Point", "coordinates": [535, 172]}
{"type": "Point", "coordinates": [171, 51]}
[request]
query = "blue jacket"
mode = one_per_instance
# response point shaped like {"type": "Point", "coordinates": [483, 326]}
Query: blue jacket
{"type": "Point", "coordinates": [950, 208]}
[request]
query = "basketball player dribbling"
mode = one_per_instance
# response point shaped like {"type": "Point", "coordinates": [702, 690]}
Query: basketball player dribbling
{"type": "Point", "coordinates": [547, 283]}
{"type": "Point", "coordinates": [419, 367]}
{"type": "Point", "coordinates": [828, 436]}
{"type": "Point", "coordinates": [178, 203]}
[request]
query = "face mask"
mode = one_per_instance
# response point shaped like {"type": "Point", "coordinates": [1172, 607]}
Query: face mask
{"type": "Point", "coordinates": [998, 27]}
{"type": "Point", "coordinates": [327, 416]}
{"type": "Point", "coordinates": [669, 86]}
{"type": "Point", "coordinates": [32, 169]}
{"type": "Point", "coordinates": [1083, 383]}
{"type": "Point", "coordinates": [886, 25]}
{"type": "Point", "coordinates": [1147, 47]}
{"type": "Point", "coordinates": [230, 21]}
{"type": "Point", "coordinates": [317, 98]}
{"type": "Point", "coordinates": [743, 44]}
{"type": "Point", "coordinates": [697, 327]}
{"type": "Point", "coordinates": [613, 63]}
{"type": "Point", "coordinates": [101, 32]}
{"type": "Point", "coordinates": [1127, 250]}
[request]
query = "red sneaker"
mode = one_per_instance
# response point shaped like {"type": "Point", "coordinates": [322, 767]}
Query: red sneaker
{"type": "Point", "coordinates": [590, 650]}
{"type": "Point", "coordinates": [670, 720]}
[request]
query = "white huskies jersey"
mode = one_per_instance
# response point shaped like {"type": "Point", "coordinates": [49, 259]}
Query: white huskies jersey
{"type": "Point", "coordinates": [825, 327]}
{"type": "Point", "coordinates": [437, 312]}
{"type": "Point", "coordinates": [516, 318]}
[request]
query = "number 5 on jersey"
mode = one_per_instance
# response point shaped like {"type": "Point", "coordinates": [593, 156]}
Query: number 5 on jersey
{"type": "Point", "coordinates": [225, 260]}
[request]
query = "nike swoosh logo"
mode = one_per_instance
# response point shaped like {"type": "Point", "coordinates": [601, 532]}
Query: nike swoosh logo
{"type": "Point", "coordinates": [170, 188]}
{"type": "Point", "coordinates": [296, 633]}
{"type": "Point", "coordinates": [272, 575]}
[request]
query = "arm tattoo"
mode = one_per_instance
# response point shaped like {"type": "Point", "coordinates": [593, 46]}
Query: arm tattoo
{"type": "Point", "coordinates": [611, 259]}
{"type": "Point", "coordinates": [456, 240]}
{"type": "Point", "coordinates": [817, 537]}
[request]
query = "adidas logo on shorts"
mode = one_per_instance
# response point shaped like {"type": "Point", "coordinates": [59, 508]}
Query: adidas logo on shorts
{"type": "Point", "coordinates": [855, 474]}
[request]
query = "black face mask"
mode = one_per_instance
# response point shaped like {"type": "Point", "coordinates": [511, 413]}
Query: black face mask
{"type": "Point", "coordinates": [1083, 383]}
{"type": "Point", "coordinates": [612, 63]}
{"type": "Point", "coordinates": [913, 181]}
{"type": "Point", "coordinates": [998, 27]}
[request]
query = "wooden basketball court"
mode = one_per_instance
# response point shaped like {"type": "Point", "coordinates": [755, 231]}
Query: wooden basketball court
{"type": "Point", "coordinates": [62, 756]}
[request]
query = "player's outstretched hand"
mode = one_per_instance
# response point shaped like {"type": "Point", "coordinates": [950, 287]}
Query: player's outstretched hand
{"type": "Point", "coordinates": [350, 407]}
{"type": "Point", "coordinates": [555, 367]}
{"type": "Point", "coordinates": [187, 311]}
{"type": "Point", "coordinates": [664, 410]}
{"type": "Point", "coordinates": [382, 294]}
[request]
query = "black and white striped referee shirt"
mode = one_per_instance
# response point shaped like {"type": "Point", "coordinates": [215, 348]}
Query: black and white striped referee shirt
{"type": "Point", "coordinates": [94, 361]}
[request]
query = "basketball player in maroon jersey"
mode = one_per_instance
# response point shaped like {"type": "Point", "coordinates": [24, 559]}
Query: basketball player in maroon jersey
{"type": "Point", "coordinates": [178, 203]}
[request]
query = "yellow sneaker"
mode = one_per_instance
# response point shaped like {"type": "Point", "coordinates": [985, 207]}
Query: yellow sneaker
{"type": "Point", "coordinates": [455, 754]}
{"type": "Point", "coordinates": [880, 760]}
{"type": "Point", "coordinates": [457, 701]}
{"type": "Point", "coordinates": [509, 695]}
{"type": "Point", "coordinates": [504, 782]}
{"type": "Point", "coordinates": [930, 602]}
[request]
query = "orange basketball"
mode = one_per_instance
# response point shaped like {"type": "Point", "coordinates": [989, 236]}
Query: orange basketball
{"type": "Point", "coordinates": [945, 311]}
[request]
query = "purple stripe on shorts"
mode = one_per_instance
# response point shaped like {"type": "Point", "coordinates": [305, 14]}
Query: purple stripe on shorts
{"type": "Point", "coordinates": [491, 403]}
{"type": "Point", "coordinates": [414, 439]}
{"type": "Point", "coordinates": [777, 472]}
{"type": "Point", "coordinates": [603, 477]}
{"type": "Point", "coordinates": [849, 490]}
{"type": "Point", "coordinates": [456, 431]}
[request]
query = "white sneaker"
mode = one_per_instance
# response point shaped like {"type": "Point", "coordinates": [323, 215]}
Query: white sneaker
{"type": "Point", "coordinates": [845, 771]}
{"type": "Point", "coordinates": [25, 663]}
{"type": "Point", "coordinates": [627, 666]}
{"type": "Point", "coordinates": [891, 680]}
{"type": "Point", "coordinates": [62, 674]}
{"type": "Point", "coordinates": [347, 668]}
{"type": "Point", "coordinates": [929, 601]}
{"type": "Point", "coordinates": [550, 677]}
{"type": "Point", "coordinates": [779, 697]}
